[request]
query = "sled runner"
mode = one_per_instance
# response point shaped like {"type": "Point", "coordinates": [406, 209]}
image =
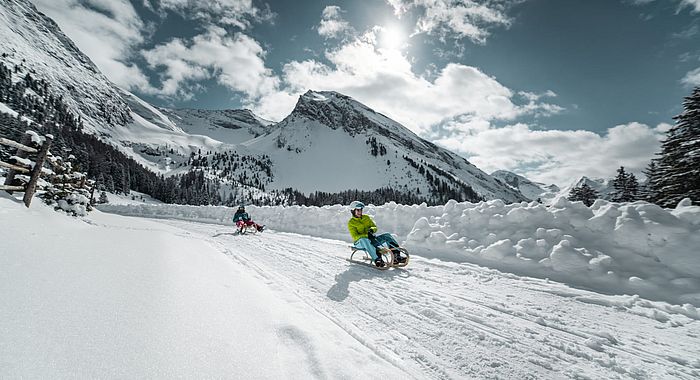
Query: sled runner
{"type": "Point", "coordinates": [361, 256]}
{"type": "Point", "coordinates": [246, 230]}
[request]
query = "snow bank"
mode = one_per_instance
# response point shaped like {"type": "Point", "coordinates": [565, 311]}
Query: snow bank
{"type": "Point", "coordinates": [628, 248]}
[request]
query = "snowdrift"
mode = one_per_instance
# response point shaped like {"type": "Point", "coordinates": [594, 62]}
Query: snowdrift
{"type": "Point", "coordinates": [629, 248]}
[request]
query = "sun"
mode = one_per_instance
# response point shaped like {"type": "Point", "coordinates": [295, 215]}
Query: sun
{"type": "Point", "coordinates": [392, 37]}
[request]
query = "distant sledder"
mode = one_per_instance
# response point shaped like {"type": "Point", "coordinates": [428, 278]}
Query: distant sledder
{"type": "Point", "coordinates": [382, 250]}
{"type": "Point", "coordinates": [244, 223]}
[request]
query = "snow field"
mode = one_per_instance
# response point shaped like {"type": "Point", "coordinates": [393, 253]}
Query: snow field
{"type": "Point", "coordinates": [446, 320]}
{"type": "Point", "coordinates": [630, 248]}
{"type": "Point", "coordinates": [119, 298]}
{"type": "Point", "coordinates": [105, 296]}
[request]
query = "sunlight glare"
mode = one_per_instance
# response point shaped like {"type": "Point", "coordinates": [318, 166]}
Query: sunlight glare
{"type": "Point", "coordinates": [392, 37]}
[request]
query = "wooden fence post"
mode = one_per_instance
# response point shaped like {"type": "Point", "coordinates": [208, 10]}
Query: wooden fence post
{"type": "Point", "coordinates": [36, 171]}
{"type": "Point", "coordinates": [21, 153]}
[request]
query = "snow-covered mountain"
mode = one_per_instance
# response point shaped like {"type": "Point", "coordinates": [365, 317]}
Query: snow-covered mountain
{"type": "Point", "coordinates": [36, 45]}
{"type": "Point", "coordinates": [231, 126]}
{"type": "Point", "coordinates": [33, 44]}
{"type": "Point", "coordinates": [331, 142]}
{"type": "Point", "coordinates": [603, 186]}
{"type": "Point", "coordinates": [530, 189]}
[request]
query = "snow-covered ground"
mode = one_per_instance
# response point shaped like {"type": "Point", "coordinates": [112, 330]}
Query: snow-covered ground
{"type": "Point", "coordinates": [115, 297]}
{"type": "Point", "coordinates": [636, 248]}
{"type": "Point", "coordinates": [108, 296]}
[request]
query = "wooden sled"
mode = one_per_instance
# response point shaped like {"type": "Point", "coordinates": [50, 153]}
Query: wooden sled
{"type": "Point", "coordinates": [361, 256]}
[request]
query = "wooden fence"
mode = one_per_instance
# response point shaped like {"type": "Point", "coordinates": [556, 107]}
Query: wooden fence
{"type": "Point", "coordinates": [60, 175]}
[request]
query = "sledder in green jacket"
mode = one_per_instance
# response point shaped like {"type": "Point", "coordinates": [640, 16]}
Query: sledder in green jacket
{"type": "Point", "coordinates": [361, 227]}
{"type": "Point", "coordinates": [362, 230]}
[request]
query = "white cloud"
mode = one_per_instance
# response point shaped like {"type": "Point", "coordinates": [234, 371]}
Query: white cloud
{"type": "Point", "coordinates": [692, 78]}
{"type": "Point", "coordinates": [384, 80]}
{"type": "Point", "coordinates": [557, 156]}
{"type": "Point", "coordinates": [236, 61]}
{"type": "Point", "coordinates": [332, 23]}
{"type": "Point", "coordinates": [238, 13]}
{"type": "Point", "coordinates": [535, 107]}
{"type": "Point", "coordinates": [463, 18]}
{"type": "Point", "coordinates": [694, 5]}
{"type": "Point", "coordinates": [107, 31]}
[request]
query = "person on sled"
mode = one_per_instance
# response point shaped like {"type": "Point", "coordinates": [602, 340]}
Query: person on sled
{"type": "Point", "coordinates": [362, 229]}
{"type": "Point", "coordinates": [242, 219]}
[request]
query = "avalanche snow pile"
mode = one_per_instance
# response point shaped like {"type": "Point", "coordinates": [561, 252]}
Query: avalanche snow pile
{"type": "Point", "coordinates": [617, 248]}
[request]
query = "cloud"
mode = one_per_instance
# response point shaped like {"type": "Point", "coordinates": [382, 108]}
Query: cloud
{"type": "Point", "coordinates": [537, 108]}
{"type": "Point", "coordinates": [557, 156]}
{"type": "Point", "coordinates": [238, 13]}
{"type": "Point", "coordinates": [688, 33]}
{"type": "Point", "coordinates": [235, 61]}
{"type": "Point", "coordinates": [332, 23]}
{"type": "Point", "coordinates": [464, 18]}
{"type": "Point", "coordinates": [384, 80]}
{"type": "Point", "coordinates": [106, 31]}
{"type": "Point", "coordinates": [694, 5]}
{"type": "Point", "coordinates": [692, 78]}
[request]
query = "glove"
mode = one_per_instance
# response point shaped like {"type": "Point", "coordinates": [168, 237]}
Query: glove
{"type": "Point", "coordinates": [370, 232]}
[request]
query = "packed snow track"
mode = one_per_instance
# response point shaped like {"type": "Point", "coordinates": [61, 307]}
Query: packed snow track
{"type": "Point", "coordinates": [441, 320]}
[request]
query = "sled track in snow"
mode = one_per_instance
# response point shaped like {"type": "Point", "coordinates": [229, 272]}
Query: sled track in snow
{"type": "Point", "coordinates": [445, 320]}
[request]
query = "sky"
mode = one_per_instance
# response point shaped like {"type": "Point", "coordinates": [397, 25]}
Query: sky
{"type": "Point", "coordinates": [550, 89]}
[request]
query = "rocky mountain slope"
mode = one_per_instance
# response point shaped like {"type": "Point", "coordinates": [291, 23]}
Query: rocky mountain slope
{"type": "Point", "coordinates": [35, 44]}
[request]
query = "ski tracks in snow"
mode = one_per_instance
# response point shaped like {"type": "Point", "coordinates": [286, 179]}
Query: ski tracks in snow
{"type": "Point", "coordinates": [445, 320]}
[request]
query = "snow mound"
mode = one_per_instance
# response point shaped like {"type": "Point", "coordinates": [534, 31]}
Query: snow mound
{"type": "Point", "coordinates": [616, 248]}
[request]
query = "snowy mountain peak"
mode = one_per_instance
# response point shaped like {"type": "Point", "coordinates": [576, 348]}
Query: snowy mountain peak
{"type": "Point", "coordinates": [530, 189]}
{"type": "Point", "coordinates": [603, 186]}
{"type": "Point", "coordinates": [328, 131]}
{"type": "Point", "coordinates": [336, 111]}
{"type": "Point", "coordinates": [312, 95]}
{"type": "Point", "coordinates": [231, 126]}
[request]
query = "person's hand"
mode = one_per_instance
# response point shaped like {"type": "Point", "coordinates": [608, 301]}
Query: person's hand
{"type": "Point", "coordinates": [370, 234]}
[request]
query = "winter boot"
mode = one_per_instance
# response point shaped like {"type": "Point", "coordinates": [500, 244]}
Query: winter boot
{"type": "Point", "coordinates": [261, 228]}
{"type": "Point", "coordinates": [379, 262]}
{"type": "Point", "coordinates": [398, 259]}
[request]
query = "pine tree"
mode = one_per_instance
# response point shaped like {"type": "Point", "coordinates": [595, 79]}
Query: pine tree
{"type": "Point", "coordinates": [678, 174]}
{"type": "Point", "coordinates": [619, 184]}
{"type": "Point", "coordinates": [583, 193]}
{"type": "Point", "coordinates": [648, 190]}
{"type": "Point", "coordinates": [632, 188]}
{"type": "Point", "coordinates": [626, 186]}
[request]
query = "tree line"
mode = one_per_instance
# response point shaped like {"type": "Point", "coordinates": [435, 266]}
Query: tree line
{"type": "Point", "coordinates": [671, 176]}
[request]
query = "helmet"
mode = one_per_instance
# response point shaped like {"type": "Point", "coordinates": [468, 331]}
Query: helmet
{"type": "Point", "coordinates": [241, 208]}
{"type": "Point", "coordinates": [356, 205]}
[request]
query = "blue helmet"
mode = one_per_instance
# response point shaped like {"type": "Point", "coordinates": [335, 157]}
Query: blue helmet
{"type": "Point", "coordinates": [356, 205]}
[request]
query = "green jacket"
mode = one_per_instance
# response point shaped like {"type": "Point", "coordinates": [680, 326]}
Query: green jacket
{"type": "Point", "coordinates": [360, 226]}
